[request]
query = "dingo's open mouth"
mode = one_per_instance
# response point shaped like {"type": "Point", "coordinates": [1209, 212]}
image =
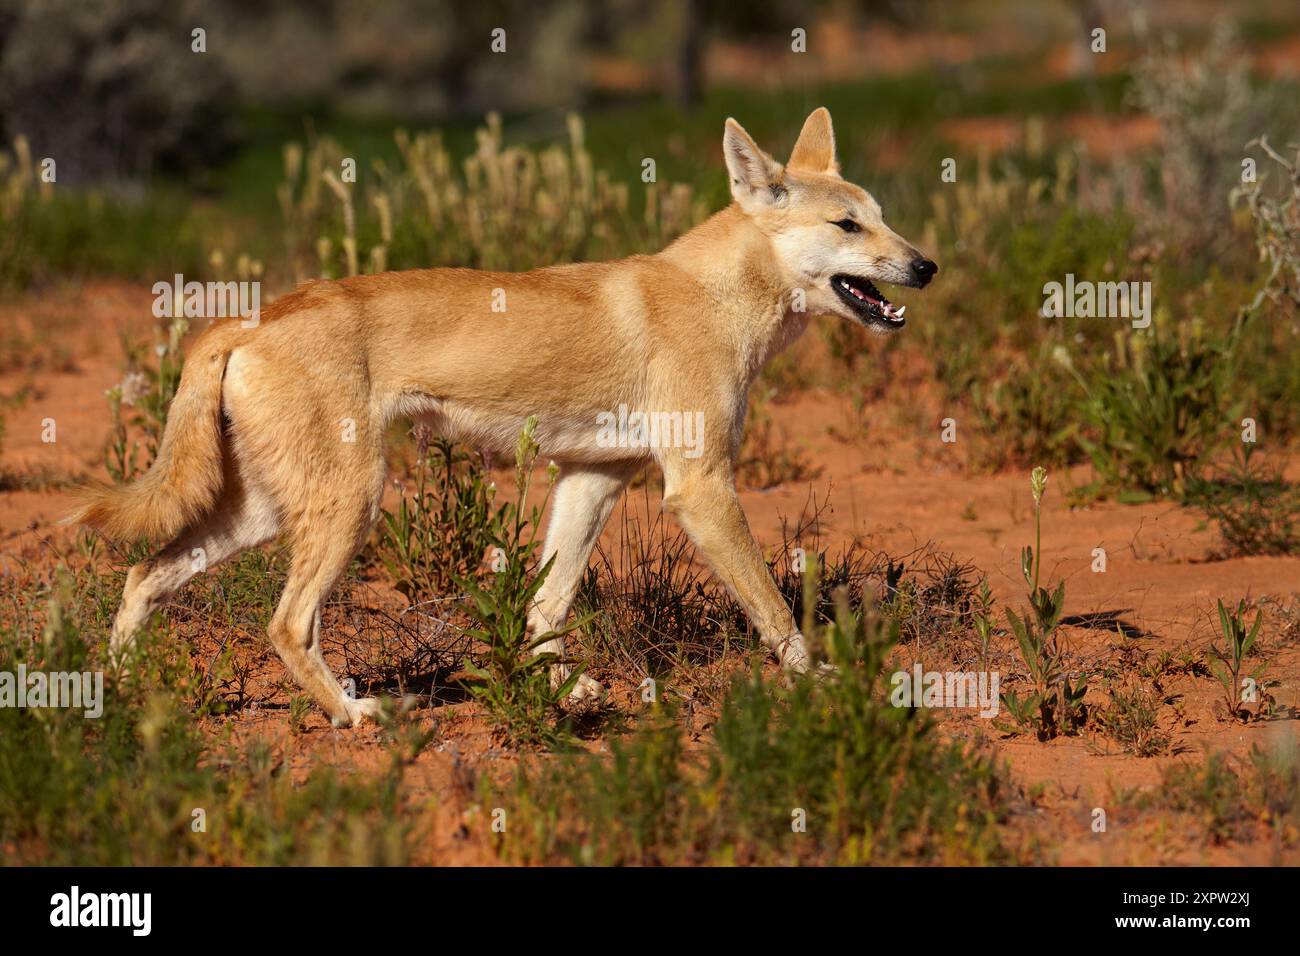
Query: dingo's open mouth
{"type": "Point", "coordinates": [866, 300]}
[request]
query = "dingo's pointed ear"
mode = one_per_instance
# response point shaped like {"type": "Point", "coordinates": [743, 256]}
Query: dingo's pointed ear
{"type": "Point", "coordinates": [815, 150]}
{"type": "Point", "coordinates": [755, 176]}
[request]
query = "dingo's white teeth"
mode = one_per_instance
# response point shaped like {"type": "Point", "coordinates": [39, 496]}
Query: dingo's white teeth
{"type": "Point", "coordinates": [866, 300]}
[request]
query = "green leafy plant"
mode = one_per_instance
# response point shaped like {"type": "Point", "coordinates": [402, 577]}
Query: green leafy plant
{"type": "Point", "coordinates": [1055, 705]}
{"type": "Point", "coordinates": [1229, 663]}
{"type": "Point", "coordinates": [514, 683]}
{"type": "Point", "coordinates": [1157, 409]}
{"type": "Point", "coordinates": [440, 532]}
{"type": "Point", "coordinates": [983, 621]}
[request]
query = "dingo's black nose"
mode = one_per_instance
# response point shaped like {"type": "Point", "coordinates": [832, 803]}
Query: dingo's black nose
{"type": "Point", "coordinates": [924, 270]}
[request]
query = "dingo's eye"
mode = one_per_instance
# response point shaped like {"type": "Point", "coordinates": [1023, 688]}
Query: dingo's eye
{"type": "Point", "coordinates": [848, 225]}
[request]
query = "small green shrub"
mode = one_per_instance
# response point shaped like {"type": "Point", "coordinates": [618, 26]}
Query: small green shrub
{"type": "Point", "coordinates": [1158, 409]}
{"type": "Point", "coordinates": [1131, 718]}
{"type": "Point", "coordinates": [439, 533]}
{"type": "Point", "coordinates": [1257, 511]}
{"type": "Point", "coordinates": [514, 683]}
{"type": "Point", "coordinates": [824, 772]}
{"type": "Point", "coordinates": [1205, 104]}
{"type": "Point", "coordinates": [1211, 790]}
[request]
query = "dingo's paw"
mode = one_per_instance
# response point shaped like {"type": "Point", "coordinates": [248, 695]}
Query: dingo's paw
{"type": "Point", "coordinates": [793, 655]}
{"type": "Point", "coordinates": [359, 710]}
{"type": "Point", "coordinates": [586, 689]}
{"type": "Point", "coordinates": [824, 670]}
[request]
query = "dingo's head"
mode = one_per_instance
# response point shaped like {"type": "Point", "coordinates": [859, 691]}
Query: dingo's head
{"type": "Point", "coordinates": [828, 233]}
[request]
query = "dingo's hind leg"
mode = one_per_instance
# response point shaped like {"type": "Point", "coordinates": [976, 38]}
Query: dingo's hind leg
{"type": "Point", "coordinates": [242, 518]}
{"type": "Point", "coordinates": [583, 501]}
{"type": "Point", "coordinates": [328, 533]}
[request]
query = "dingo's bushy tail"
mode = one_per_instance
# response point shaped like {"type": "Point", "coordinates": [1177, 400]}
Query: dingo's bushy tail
{"type": "Point", "coordinates": [183, 482]}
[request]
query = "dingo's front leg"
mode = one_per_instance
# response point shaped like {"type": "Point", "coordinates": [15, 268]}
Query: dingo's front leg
{"type": "Point", "coordinates": [708, 508]}
{"type": "Point", "coordinates": [583, 500]}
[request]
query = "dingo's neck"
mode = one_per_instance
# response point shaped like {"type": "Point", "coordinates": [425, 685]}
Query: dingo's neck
{"type": "Point", "coordinates": [734, 262]}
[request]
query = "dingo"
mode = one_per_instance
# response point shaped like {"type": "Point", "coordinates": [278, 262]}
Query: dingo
{"type": "Point", "coordinates": [279, 428]}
